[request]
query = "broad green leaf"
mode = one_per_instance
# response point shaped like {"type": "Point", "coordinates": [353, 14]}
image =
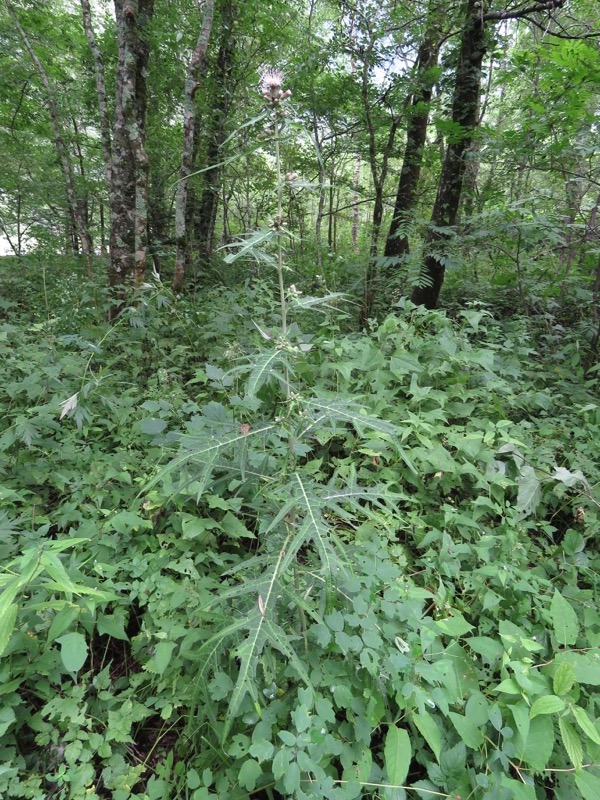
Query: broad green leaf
{"type": "Point", "coordinates": [564, 678]}
{"type": "Point", "coordinates": [585, 723]}
{"type": "Point", "coordinates": [564, 619]}
{"type": "Point", "coordinates": [193, 779]}
{"type": "Point", "coordinates": [468, 732]}
{"type": "Point", "coordinates": [63, 620]}
{"type": "Point", "coordinates": [547, 705]}
{"type": "Point", "coordinates": [586, 666]}
{"type": "Point", "coordinates": [249, 774]}
{"type": "Point", "coordinates": [397, 753]}
{"type": "Point", "coordinates": [588, 785]}
{"type": "Point", "coordinates": [529, 494]}
{"type": "Point", "coordinates": [162, 657]}
{"type": "Point", "coordinates": [571, 741]}
{"type": "Point", "coordinates": [234, 528]}
{"type": "Point", "coordinates": [56, 569]}
{"type": "Point", "coordinates": [508, 686]}
{"type": "Point", "coordinates": [490, 649]}
{"type": "Point", "coordinates": [291, 779]}
{"type": "Point", "coordinates": [520, 714]}
{"type": "Point", "coordinates": [429, 730]}
{"type": "Point", "coordinates": [477, 709]}
{"type": "Point", "coordinates": [518, 790]}
{"type": "Point", "coordinates": [112, 625]}
{"type": "Point", "coordinates": [537, 749]}
{"type": "Point", "coordinates": [73, 651]}
{"type": "Point", "coordinates": [152, 426]}
{"type": "Point", "coordinates": [262, 750]}
{"type": "Point", "coordinates": [454, 626]}
{"type": "Point", "coordinates": [7, 717]}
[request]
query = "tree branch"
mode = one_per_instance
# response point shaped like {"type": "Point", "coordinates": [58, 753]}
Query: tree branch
{"type": "Point", "coordinates": [519, 13]}
{"type": "Point", "coordinates": [557, 35]}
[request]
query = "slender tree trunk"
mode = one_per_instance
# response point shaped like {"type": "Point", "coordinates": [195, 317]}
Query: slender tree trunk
{"type": "Point", "coordinates": [378, 174]}
{"type": "Point", "coordinates": [208, 205]}
{"type": "Point", "coordinates": [330, 212]}
{"type": "Point", "coordinates": [83, 206]}
{"type": "Point", "coordinates": [397, 244]}
{"type": "Point", "coordinates": [187, 159]}
{"type": "Point", "coordinates": [103, 250]}
{"type": "Point", "coordinates": [321, 196]}
{"type": "Point", "coordinates": [209, 199]}
{"type": "Point", "coordinates": [465, 109]}
{"type": "Point", "coordinates": [103, 115]}
{"type": "Point", "coordinates": [145, 14]}
{"type": "Point", "coordinates": [73, 203]}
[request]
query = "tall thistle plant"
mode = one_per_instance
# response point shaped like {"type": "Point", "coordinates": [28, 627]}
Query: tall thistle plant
{"type": "Point", "coordinates": [275, 95]}
{"type": "Point", "coordinates": [284, 585]}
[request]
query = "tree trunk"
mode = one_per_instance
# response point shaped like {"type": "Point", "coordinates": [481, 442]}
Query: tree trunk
{"type": "Point", "coordinates": [129, 167]}
{"type": "Point", "coordinates": [321, 201]}
{"type": "Point", "coordinates": [187, 158]}
{"type": "Point", "coordinates": [100, 90]}
{"type": "Point", "coordinates": [103, 250]}
{"type": "Point", "coordinates": [378, 174]}
{"type": "Point", "coordinates": [145, 14]}
{"type": "Point", "coordinates": [123, 169]}
{"type": "Point", "coordinates": [209, 199]}
{"type": "Point", "coordinates": [465, 108]}
{"type": "Point", "coordinates": [397, 244]}
{"type": "Point", "coordinates": [73, 202]}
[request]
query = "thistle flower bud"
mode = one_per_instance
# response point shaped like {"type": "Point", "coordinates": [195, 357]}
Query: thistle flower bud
{"type": "Point", "coordinates": [270, 86]}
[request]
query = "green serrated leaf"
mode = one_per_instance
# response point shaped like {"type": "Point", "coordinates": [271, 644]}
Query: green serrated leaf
{"type": "Point", "coordinates": [397, 754]}
{"type": "Point", "coordinates": [564, 678]}
{"type": "Point", "coordinates": [585, 723]}
{"type": "Point", "coordinates": [571, 741]}
{"type": "Point", "coordinates": [550, 704]}
{"type": "Point", "coordinates": [8, 619]}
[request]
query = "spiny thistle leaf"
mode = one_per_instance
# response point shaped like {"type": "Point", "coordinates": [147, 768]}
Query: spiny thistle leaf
{"type": "Point", "coordinates": [204, 450]}
{"type": "Point", "coordinates": [346, 412]}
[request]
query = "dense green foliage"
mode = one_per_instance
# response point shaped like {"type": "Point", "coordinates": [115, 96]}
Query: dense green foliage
{"type": "Point", "coordinates": [388, 579]}
{"type": "Point", "coordinates": [268, 529]}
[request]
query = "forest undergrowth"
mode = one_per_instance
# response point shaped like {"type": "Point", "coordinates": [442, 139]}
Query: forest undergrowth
{"type": "Point", "coordinates": [327, 565]}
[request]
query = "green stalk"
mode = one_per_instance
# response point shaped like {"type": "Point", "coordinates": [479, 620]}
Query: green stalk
{"type": "Point", "coordinates": [282, 299]}
{"type": "Point", "coordinates": [279, 229]}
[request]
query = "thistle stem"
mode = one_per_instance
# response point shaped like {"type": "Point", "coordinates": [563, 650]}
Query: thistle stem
{"type": "Point", "coordinates": [279, 229]}
{"type": "Point", "coordinates": [282, 299]}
